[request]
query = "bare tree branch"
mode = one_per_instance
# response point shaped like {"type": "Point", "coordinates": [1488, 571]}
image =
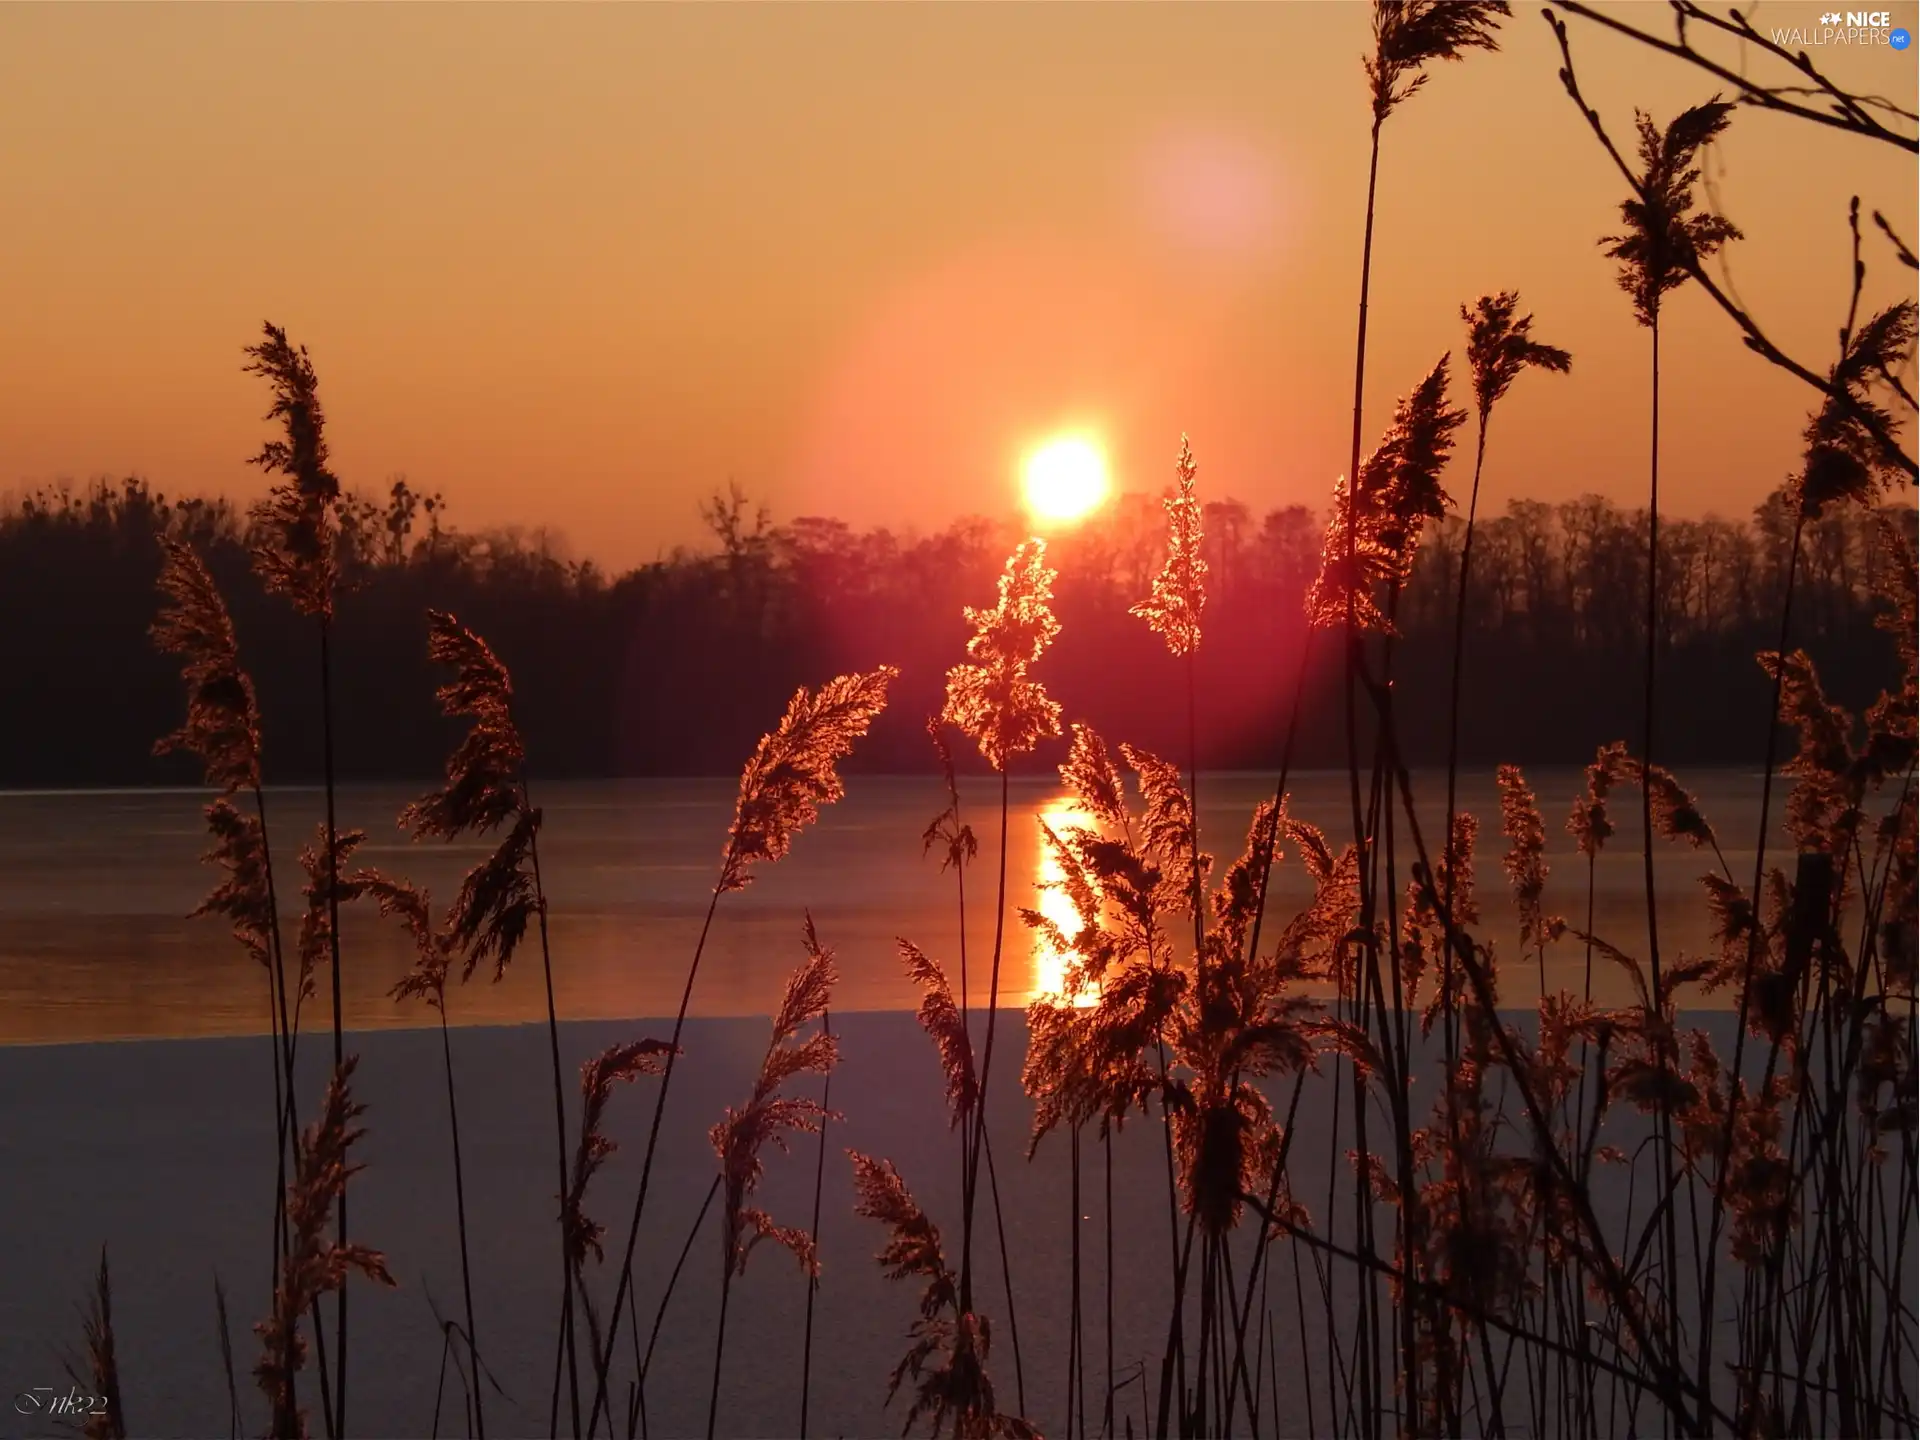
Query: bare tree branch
{"type": "Point", "coordinates": [1849, 112]}
{"type": "Point", "coordinates": [1755, 338]}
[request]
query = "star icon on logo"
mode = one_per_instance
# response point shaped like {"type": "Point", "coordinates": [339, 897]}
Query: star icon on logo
{"type": "Point", "coordinates": [1831, 17]}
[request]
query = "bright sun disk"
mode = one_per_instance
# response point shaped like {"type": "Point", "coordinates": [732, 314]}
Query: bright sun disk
{"type": "Point", "coordinates": [1066, 479]}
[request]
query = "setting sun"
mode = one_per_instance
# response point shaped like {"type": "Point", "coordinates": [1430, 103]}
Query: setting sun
{"type": "Point", "coordinates": [1065, 479]}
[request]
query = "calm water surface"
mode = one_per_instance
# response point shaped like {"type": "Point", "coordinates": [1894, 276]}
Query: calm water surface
{"type": "Point", "coordinates": [95, 887]}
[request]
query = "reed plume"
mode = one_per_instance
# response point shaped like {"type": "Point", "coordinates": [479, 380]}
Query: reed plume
{"type": "Point", "coordinates": [1676, 814]}
{"type": "Point", "coordinates": [1179, 591]}
{"type": "Point", "coordinates": [1093, 779]}
{"type": "Point", "coordinates": [1590, 822]}
{"type": "Point", "coordinates": [313, 1265]}
{"type": "Point", "coordinates": [1374, 526]}
{"type": "Point", "coordinates": [766, 1119]}
{"type": "Point", "coordinates": [1407, 34]}
{"type": "Point", "coordinates": [298, 522]}
{"type": "Point", "coordinates": [326, 889]}
{"type": "Point", "coordinates": [482, 790]}
{"type": "Point", "coordinates": [1526, 858]}
{"type": "Point", "coordinates": [223, 721]}
{"type": "Point", "coordinates": [947, 1360]}
{"type": "Point", "coordinates": [940, 1017]}
{"type": "Point", "coordinates": [769, 1116]}
{"type": "Point", "coordinates": [239, 848]}
{"type": "Point", "coordinates": [992, 698]}
{"type": "Point", "coordinates": [580, 1234]}
{"type": "Point", "coordinates": [792, 774]}
{"type": "Point", "coordinates": [1823, 812]}
{"type": "Point", "coordinates": [626, 1061]}
{"type": "Point", "coordinates": [1500, 347]}
{"type": "Point", "coordinates": [1850, 452]}
{"type": "Point", "coordinates": [1665, 239]}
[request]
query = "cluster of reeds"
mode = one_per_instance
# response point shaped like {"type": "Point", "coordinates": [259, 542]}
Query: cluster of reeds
{"type": "Point", "coordinates": [501, 900]}
{"type": "Point", "coordinates": [1480, 1269]}
{"type": "Point", "coordinates": [1580, 1220]}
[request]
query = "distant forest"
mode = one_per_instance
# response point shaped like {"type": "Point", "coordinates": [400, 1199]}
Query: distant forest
{"type": "Point", "coordinates": [676, 667]}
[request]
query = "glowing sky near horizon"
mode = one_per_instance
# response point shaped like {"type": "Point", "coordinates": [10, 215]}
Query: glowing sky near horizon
{"type": "Point", "coordinates": [580, 266]}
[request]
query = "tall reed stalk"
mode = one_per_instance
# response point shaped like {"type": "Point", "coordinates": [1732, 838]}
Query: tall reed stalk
{"type": "Point", "coordinates": [767, 1118]}
{"type": "Point", "coordinates": [1408, 35]}
{"type": "Point", "coordinates": [994, 701]}
{"type": "Point", "coordinates": [295, 556]}
{"type": "Point", "coordinates": [1663, 239]}
{"type": "Point", "coordinates": [789, 777]}
{"type": "Point", "coordinates": [484, 791]}
{"type": "Point", "coordinates": [427, 980]}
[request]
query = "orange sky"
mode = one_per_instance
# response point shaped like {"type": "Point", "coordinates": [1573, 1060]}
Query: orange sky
{"type": "Point", "coordinates": [581, 265]}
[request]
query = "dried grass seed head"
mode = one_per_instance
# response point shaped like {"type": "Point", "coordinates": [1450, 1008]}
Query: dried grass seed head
{"type": "Point", "coordinates": [1180, 589]}
{"type": "Point", "coordinates": [1500, 345]}
{"type": "Point", "coordinates": [1526, 858]}
{"type": "Point", "coordinates": [1374, 528]}
{"type": "Point", "coordinates": [312, 1265]}
{"type": "Point", "coordinates": [624, 1062]}
{"type": "Point", "coordinates": [483, 787]}
{"type": "Point", "coordinates": [791, 774]}
{"type": "Point", "coordinates": [1664, 239]}
{"type": "Point", "coordinates": [992, 698]}
{"type": "Point", "coordinates": [940, 1017]}
{"type": "Point", "coordinates": [769, 1117]}
{"type": "Point", "coordinates": [223, 719]}
{"type": "Point", "coordinates": [1407, 34]}
{"type": "Point", "coordinates": [498, 900]}
{"type": "Point", "coordinates": [245, 897]}
{"type": "Point", "coordinates": [1847, 459]}
{"type": "Point", "coordinates": [297, 523]}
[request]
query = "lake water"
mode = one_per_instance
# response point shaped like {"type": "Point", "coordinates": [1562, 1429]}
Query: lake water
{"type": "Point", "coordinates": [95, 885]}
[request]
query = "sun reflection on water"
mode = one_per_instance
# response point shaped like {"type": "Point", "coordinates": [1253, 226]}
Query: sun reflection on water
{"type": "Point", "coordinates": [1049, 962]}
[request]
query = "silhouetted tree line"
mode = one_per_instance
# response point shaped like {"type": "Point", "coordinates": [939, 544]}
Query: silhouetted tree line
{"type": "Point", "coordinates": [677, 666]}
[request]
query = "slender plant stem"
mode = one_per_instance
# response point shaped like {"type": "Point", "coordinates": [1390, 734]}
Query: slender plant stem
{"type": "Point", "coordinates": [1351, 656]}
{"type": "Point", "coordinates": [1718, 1212]}
{"type": "Point", "coordinates": [333, 945]}
{"type": "Point", "coordinates": [1073, 1245]}
{"type": "Point", "coordinates": [666, 1297]}
{"type": "Point", "coordinates": [1450, 1033]}
{"type": "Point", "coordinates": [460, 1215]}
{"type": "Point", "coordinates": [1669, 1226]}
{"type": "Point", "coordinates": [604, 1361]}
{"type": "Point", "coordinates": [1006, 1280]}
{"type": "Point", "coordinates": [567, 1329]}
{"type": "Point", "coordinates": [720, 1334]}
{"type": "Point", "coordinates": [986, 1066]}
{"type": "Point", "coordinates": [1106, 1147]}
{"type": "Point", "coordinates": [813, 1277]}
